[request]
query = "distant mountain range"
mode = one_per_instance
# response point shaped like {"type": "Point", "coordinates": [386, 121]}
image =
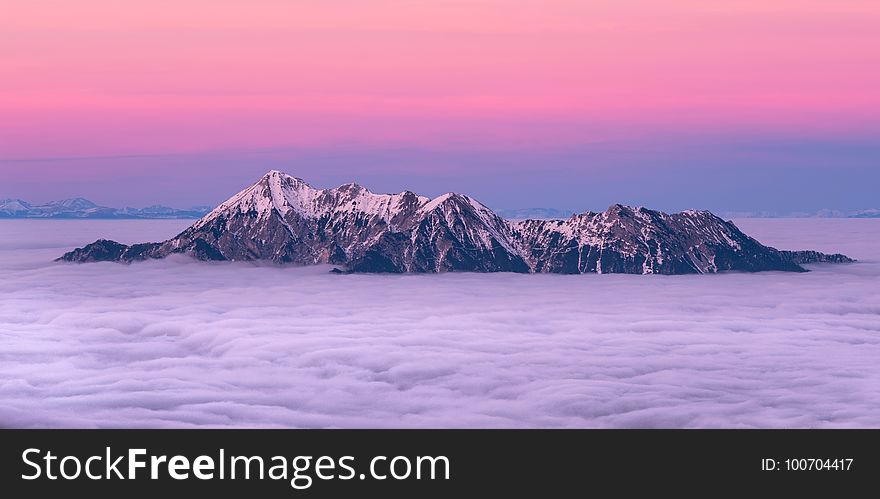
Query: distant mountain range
{"type": "Point", "coordinates": [282, 219]}
{"type": "Point", "coordinates": [83, 208]}
{"type": "Point", "coordinates": [535, 214]}
{"type": "Point", "coordinates": [824, 213]}
{"type": "Point", "coordinates": [555, 214]}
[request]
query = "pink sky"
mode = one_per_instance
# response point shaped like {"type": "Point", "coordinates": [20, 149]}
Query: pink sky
{"type": "Point", "coordinates": [104, 77]}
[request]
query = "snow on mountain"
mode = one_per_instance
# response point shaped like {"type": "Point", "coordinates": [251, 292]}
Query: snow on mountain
{"type": "Point", "coordinates": [823, 213]}
{"type": "Point", "coordinates": [83, 208]}
{"type": "Point", "coordinates": [639, 240]}
{"type": "Point", "coordinates": [872, 213]}
{"type": "Point", "coordinates": [281, 218]}
{"type": "Point", "coordinates": [13, 207]}
{"type": "Point", "coordinates": [74, 204]}
{"type": "Point", "coordinates": [283, 194]}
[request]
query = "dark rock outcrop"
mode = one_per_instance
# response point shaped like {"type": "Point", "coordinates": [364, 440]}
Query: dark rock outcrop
{"type": "Point", "coordinates": [805, 257]}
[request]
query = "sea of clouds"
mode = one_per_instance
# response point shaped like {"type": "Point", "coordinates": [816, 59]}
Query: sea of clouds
{"type": "Point", "coordinates": [179, 343]}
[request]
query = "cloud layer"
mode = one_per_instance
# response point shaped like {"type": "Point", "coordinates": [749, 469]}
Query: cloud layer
{"type": "Point", "coordinates": [179, 343]}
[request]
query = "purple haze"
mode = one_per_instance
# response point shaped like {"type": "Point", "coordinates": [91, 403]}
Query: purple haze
{"type": "Point", "coordinates": [180, 343]}
{"type": "Point", "coordinates": [670, 173]}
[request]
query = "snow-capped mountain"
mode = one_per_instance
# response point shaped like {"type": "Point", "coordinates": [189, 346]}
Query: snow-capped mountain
{"type": "Point", "coordinates": [823, 213]}
{"type": "Point", "coordinates": [283, 219]}
{"type": "Point", "coordinates": [13, 207]}
{"type": "Point", "coordinates": [67, 208]}
{"type": "Point", "coordinates": [535, 214]}
{"type": "Point", "coordinates": [631, 240]}
{"type": "Point", "coordinates": [83, 208]}
{"type": "Point", "coordinates": [872, 213]}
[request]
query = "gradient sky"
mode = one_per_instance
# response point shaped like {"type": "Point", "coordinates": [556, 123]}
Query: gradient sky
{"type": "Point", "coordinates": [729, 105]}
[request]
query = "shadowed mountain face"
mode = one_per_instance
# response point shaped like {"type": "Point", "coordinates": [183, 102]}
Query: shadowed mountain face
{"type": "Point", "coordinates": [641, 241]}
{"type": "Point", "coordinates": [282, 219]}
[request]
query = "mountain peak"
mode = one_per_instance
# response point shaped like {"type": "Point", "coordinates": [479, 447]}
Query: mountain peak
{"type": "Point", "coordinates": [621, 208]}
{"type": "Point", "coordinates": [13, 207]}
{"type": "Point", "coordinates": [455, 198]}
{"type": "Point", "coordinates": [437, 201]}
{"type": "Point", "coordinates": [282, 219]}
{"type": "Point", "coordinates": [353, 188]}
{"type": "Point", "coordinates": [14, 202]}
{"type": "Point", "coordinates": [281, 178]}
{"type": "Point", "coordinates": [74, 203]}
{"type": "Point", "coordinates": [275, 191]}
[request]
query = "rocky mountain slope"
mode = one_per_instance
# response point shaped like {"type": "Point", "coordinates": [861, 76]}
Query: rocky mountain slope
{"type": "Point", "coordinates": [282, 219]}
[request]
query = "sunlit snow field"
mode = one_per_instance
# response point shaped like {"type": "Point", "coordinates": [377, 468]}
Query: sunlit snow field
{"type": "Point", "coordinates": [180, 343]}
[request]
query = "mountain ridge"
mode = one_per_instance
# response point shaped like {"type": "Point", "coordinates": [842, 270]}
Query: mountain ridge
{"type": "Point", "coordinates": [81, 208]}
{"type": "Point", "coordinates": [283, 219]}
